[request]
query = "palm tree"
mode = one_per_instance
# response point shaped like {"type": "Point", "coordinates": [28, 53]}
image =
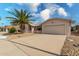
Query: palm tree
{"type": "Point", "coordinates": [20, 17]}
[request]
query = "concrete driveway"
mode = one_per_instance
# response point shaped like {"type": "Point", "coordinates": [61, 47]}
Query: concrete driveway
{"type": "Point", "coordinates": [9, 49]}
{"type": "Point", "coordinates": [47, 44]}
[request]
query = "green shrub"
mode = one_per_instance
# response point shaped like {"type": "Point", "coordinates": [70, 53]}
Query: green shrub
{"type": "Point", "coordinates": [12, 30]}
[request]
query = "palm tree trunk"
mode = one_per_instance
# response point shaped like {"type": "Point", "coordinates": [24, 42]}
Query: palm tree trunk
{"type": "Point", "coordinates": [22, 27]}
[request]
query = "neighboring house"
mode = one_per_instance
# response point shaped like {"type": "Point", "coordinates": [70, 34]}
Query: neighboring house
{"type": "Point", "coordinates": [6, 28]}
{"type": "Point", "coordinates": [77, 28]}
{"type": "Point", "coordinates": [56, 26]}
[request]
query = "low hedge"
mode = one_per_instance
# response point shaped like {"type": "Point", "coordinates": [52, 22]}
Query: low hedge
{"type": "Point", "coordinates": [12, 30]}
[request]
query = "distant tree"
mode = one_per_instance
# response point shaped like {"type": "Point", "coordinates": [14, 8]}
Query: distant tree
{"type": "Point", "coordinates": [0, 18]}
{"type": "Point", "coordinates": [73, 21]}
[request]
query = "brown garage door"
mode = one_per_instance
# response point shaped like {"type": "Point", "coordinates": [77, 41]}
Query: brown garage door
{"type": "Point", "coordinates": [54, 29]}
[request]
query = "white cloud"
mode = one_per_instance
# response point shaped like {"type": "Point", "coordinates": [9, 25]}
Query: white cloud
{"type": "Point", "coordinates": [52, 7]}
{"type": "Point", "coordinates": [70, 4]}
{"type": "Point", "coordinates": [34, 6]}
{"type": "Point", "coordinates": [61, 11]}
{"type": "Point", "coordinates": [35, 14]}
{"type": "Point", "coordinates": [56, 8]}
{"type": "Point", "coordinates": [45, 14]}
{"type": "Point", "coordinates": [20, 3]}
{"type": "Point", "coordinates": [7, 9]}
{"type": "Point", "coordinates": [50, 10]}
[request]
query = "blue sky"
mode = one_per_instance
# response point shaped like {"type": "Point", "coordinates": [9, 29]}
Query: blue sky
{"type": "Point", "coordinates": [41, 11]}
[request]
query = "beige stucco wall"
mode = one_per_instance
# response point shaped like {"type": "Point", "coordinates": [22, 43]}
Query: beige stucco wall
{"type": "Point", "coordinates": [57, 27]}
{"type": "Point", "coordinates": [26, 28]}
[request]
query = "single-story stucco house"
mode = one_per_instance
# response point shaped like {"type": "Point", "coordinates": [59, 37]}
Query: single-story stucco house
{"type": "Point", "coordinates": [57, 26]}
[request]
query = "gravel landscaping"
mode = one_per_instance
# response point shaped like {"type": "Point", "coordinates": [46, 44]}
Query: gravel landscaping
{"type": "Point", "coordinates": [71, 46]}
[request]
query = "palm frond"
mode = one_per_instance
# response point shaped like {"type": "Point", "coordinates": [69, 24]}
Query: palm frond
{"type": "Point", "coordinates": [15, 13]}
{"type": "Point", "coordinates": [12, 18]}
{"type": "Point", "coordinates": [20, 16]}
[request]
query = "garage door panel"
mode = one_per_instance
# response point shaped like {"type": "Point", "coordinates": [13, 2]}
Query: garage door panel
{"type": "Point", "coordinates": [55, 29]}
